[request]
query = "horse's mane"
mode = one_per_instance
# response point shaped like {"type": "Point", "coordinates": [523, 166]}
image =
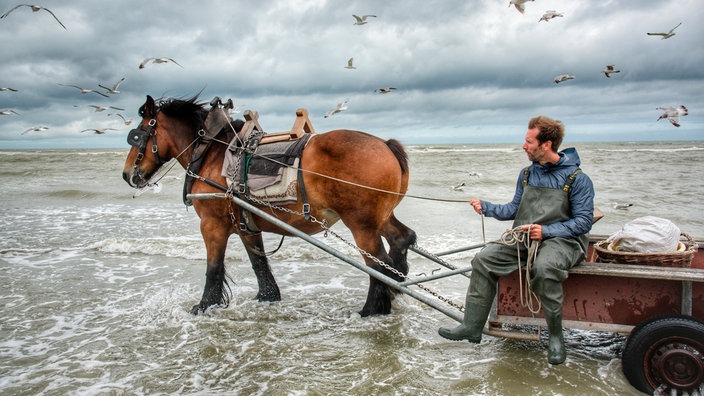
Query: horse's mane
{"type": "Point", "coordinates": [192, 110]}
{"type": "Point", "coordinates": [188, 109]}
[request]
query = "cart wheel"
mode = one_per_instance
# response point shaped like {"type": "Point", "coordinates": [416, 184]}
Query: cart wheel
{"type": "Point", "coordinates": [665, 353]}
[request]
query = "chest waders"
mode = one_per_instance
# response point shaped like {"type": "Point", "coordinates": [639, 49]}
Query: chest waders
{"type": "Point", "coordinates": [555, 256]}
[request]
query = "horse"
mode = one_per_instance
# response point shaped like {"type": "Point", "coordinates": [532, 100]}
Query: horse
{"type": "Point", "coordinates": [170, 127]}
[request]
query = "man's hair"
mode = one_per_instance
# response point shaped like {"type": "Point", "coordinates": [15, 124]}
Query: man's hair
{"type": "Point", "coordinates": [549, 130]}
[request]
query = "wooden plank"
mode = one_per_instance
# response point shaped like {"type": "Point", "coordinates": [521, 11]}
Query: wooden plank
{"type": "Point", "coordinates": [640, 271]}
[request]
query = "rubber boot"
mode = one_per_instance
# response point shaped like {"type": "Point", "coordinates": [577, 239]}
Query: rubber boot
{"type": "Point", "coordinates": [471, 327]}
{"type": "Point", "coordinates": [556, 341]}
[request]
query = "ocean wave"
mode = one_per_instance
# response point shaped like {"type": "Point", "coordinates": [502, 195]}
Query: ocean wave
{"type": "Point", "coordinates": [648, 150]}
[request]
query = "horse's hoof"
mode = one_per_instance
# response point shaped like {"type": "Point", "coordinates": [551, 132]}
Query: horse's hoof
{"type": "Point", "coordinates": [269, 296]}
{"type": "Point", "coordinates": [197, 310]}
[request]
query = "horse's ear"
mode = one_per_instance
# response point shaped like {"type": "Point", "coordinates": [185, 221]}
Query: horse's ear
{"type": "Point", "coordinates": [149, 107]}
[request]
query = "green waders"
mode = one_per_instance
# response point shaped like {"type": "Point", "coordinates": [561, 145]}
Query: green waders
{"type": "Point", "coordinates": [539, 205]}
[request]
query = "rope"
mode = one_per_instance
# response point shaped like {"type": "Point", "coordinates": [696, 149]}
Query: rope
{"type": "Point", "coordinates": [341, 180]}
{"type": "Point", "coordinates": [518, 237]}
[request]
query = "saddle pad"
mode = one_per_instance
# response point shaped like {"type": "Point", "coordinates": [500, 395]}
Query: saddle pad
{"type": "Point", "coordinates": [271, 176]}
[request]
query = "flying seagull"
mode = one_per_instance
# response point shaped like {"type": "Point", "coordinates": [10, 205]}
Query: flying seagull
{"type": "Point", "coordinates": [519, 4]}
{"type": "Point", "coordinates": [36, 129]}
{"type": "Point", "coordinates": [7, 89]}
{"type": "Point", "coordinates": [362, 20]}
{"type": "Point", "coordinates": [8, 112]}
{"type": "Point", "coordinates": [113, 90]}
{"type": "Point", "coordinates": [665, 35]}
{"type": "Point", "coordinates": [99, 131]}
{"type": "Point", "coordinates": [127, 122]}
{"type": "Point", "coordinates": [84, 90]}
{"type": "Point", "coordinates": [610, 69]}
{"type": "Point", "coordinates": [673, 114]}
{"type": "Point", "coordinates": [103, 108]}
{"type": "Point", "coordinates": [157, 60]}
{"type": "Point", "coordinates": [342, 106]}
{"type": "Point", "coordinates": [384, 90]}
{"type": "Point", "coordinates": [458, 187]}
{"type": "Point", "coordinates": [550, 14]}
{"type": "Point", "coordinates": [563, 77]}
{"type": "Point", "coordinates": [34, 8]}
{"type": "Point", "coordinates": [349, 64]}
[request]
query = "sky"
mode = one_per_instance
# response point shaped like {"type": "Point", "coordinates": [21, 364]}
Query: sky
{"type": "Point", "coordinates": [464, 72]}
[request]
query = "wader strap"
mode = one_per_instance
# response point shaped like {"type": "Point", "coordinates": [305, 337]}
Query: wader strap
{"type": "Point", "coordinates": [525, 176]}
{"type": "Point", "coordinates": [570, 180]}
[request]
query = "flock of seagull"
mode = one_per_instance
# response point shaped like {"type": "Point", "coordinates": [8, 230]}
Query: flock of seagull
{"type": "Point", "coordinates": [109, 90]}
{"type": "Point", "coordinates": [670, 113]}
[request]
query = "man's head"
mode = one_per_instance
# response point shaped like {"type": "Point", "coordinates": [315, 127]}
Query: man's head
{"type": "Point", "coordinates": [543, 138]}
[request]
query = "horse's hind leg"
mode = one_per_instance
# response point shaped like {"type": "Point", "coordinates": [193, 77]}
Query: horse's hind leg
{"type": "Point", "coordinates": [380, 295]}
{"type": "Point", "coordinates": [268, 289]}
{"type": "Point", "coordinates": [399, 237]}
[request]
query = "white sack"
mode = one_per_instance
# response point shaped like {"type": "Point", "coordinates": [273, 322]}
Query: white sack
{"type": "Point", "coordinates": [647, 234]}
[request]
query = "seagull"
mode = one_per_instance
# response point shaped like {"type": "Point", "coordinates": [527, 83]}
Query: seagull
{"type": "Point", "coordinates": [550, 14]}
{"type": "Point", "coordinates": [157, 60]}
{"type": "Point", "coordinates": [621, 206]}
{"type": "Point", "coordinates": [342, 106]}
{"type": "Point", "coordinates": [519, 4]}
{"type": "Point", "coordinates": [384, 90]}
{"type": "Point", "coordinates": [84, 90]}
{"type": "Point", "coordinates": [673, 114]}
{"type": "Point", "coordinates": [36, 129]}
{"type": "Point", "coordinates": [458, 187]}
{"type": "Point", "coordinates": [665, 35]}
{"type": "Point", "coordinates": [563, 77]}
{"type": "Point", "coordinates": [349, 64]}
{"type": "Point", "coordinates": [127, 122]}
{"type": "Point", "coordinates": [99, 131]}
{"type": "Point", "coordinates": [610, 69]}
{"type": "Point", "coordinates": [362, 20]}
{"type": "Point", "coordinates": [113, 90]}
{"type": "Point", "coordinates": [103, 108]}
{"type": "Point", "coordinates": [2, 89]}
{"type": "Point", "coordinates": [476, 174]}
{"type": "Point", "coordinates": [34, 8]}
{"type": "Point", "coordinates": [8, 112]}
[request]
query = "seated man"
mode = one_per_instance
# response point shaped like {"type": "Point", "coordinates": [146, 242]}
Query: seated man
{"type": "Point", "coordinates": [554, 203]}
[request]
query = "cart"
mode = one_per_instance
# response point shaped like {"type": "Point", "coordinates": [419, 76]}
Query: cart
{"type": "Point", "coordinates": [660, 308]}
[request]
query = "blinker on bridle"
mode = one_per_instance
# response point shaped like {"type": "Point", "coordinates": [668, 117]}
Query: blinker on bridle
{"type": "Point", "coordinates": [139, 137]}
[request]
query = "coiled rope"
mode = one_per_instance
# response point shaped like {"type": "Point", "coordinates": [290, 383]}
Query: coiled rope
{"type": "Point", "coordinates": [521, 238]}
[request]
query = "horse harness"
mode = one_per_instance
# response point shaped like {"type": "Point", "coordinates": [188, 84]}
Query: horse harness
{"type": "Point", "coordinates": [139, 137]}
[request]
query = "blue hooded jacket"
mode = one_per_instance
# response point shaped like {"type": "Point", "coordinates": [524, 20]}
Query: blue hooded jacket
{"type": "Point", "coordinates": [581, 196]}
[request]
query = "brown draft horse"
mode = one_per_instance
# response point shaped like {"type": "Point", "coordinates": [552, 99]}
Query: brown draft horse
{"type": "Point", "coordinates": [169, 129]}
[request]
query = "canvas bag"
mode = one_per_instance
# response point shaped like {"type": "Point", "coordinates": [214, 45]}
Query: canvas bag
{"type": "Point", "coordinates": [647, 234]}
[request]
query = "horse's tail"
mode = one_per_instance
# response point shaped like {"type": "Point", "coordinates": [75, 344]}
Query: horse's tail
{"type": "Point", "coordinates": [397, 148]}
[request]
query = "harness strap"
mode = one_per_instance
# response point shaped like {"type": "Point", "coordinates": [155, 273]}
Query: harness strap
{"type": "Point", "coordinates": [304, 196]}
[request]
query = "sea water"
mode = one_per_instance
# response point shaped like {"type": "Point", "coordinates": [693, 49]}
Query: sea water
{"type": "Point", "coordinates": [96, 286]}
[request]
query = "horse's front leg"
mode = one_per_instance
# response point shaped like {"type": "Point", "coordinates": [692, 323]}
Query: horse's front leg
{"type": "Point", "coordinates": [268, 289]}
{"type": "Point", "coordinates": [216, 291]}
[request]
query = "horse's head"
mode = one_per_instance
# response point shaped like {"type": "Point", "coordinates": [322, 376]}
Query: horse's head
{"type": "Point", "coordinates": [144, 158]}
{"type": "Point", "coordinates": [166, 130]}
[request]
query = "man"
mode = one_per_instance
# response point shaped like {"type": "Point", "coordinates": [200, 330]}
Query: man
{"type": "Point", "coordinates": [554, 204]}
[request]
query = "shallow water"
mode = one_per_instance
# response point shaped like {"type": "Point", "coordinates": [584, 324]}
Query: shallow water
{"type": "Point", "coordinates": [97, 286]}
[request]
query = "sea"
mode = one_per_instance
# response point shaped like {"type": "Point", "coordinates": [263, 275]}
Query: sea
{"type": "Point", "coordinates": [97, 282]}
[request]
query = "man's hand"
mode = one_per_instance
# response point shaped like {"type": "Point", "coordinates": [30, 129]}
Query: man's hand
{"type": "Point", "coordinates": [477, 205]}
{"type": "Point", "coordinates": [536, 231]}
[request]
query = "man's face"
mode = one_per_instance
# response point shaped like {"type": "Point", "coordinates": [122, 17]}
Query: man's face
{"type": "Point", "coordinates": [534, 149]}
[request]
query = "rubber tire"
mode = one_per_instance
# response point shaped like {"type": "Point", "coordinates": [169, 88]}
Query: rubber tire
{"type": "Point", "coordinates": [654, 335]}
